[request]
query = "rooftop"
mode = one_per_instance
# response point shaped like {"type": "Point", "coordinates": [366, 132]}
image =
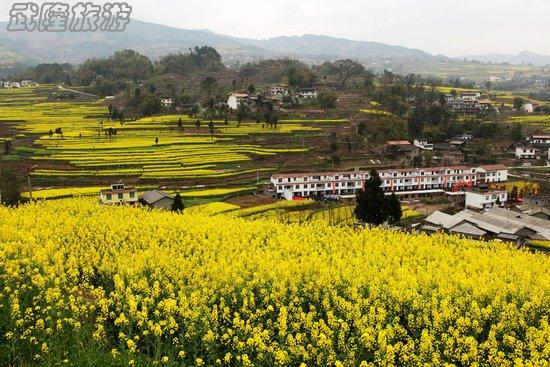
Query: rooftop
{"type": "Point", "coordinates": [151, 197]}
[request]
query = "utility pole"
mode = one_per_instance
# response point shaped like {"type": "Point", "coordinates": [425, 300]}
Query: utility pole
{"type": "Point", "coordinates": [30, 185]}
{"type": "Point", "coordinates": [29, 182]}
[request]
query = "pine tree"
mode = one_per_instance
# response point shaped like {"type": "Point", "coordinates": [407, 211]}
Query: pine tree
{"type": "Point", "coordinates": [178, 206]}
{"type": "Point", "coordinates": [395, 212]}
{"type": "Point", "coordinates": [370, 201]}
{"type": "Point", "coordinates": [10, 192]}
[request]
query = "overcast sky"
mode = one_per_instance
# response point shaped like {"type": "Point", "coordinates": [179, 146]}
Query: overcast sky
{"type": "Point", "coordinates": [437, 26]}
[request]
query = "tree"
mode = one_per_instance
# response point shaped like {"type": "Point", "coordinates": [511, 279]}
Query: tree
{"type": "Point", "coordinates": [333, 140]}
{"type": "Point", "coordinates": [211, 127]}
{"type": "Point", "coordinates": [517, 133]}
{"type": "Point", "coordinates": [241, 113]}
{"type": "Point", "coordinates": [518, 103]}
{"type": "Point", "coordinates": [150, 105]}
{"type": "Point", "coordinates": [370, 201]}
{"type": "Point", "coordinates": [7, 146]}
{"type": "Point", "coordinates": [208, 85]}
{"type": "Point", "coordinates": [156, 141]}
{"type": "Point", "coordinates": [10, 192]}
{"type": "Point", "coordinates": [327, 99]}
{"type": "Point", "coordinates": [514, 194]}
{"type": "Point", "coordinates": [178, 206]}
{"type": "Point", "coordinates": [393, 209]}
{"type": "Point", "coordinates": [415, 122]}
{"type": "Point", "coordinates": [345, 69]}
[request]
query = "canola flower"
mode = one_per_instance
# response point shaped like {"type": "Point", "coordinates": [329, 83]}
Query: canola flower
{"type": "Point", "coordinates": [84, 284]}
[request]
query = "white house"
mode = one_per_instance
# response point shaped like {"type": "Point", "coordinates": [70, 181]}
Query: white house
{"type": "Point", "coordinates": [491, 173]}
{"type": "Point", "coordinates": [167, 102]}
{"type": "Point", "coordinates": [531, 152]}
{"type": "Point", "coordinates": [235, 100]}
{"type": "Point", "coordinates": [540, 139]}
{"type": "Point", "coordinates": [485, 200]}
{"type": "Point", "coordinates": [528, 107]}
{"type": "Point", "coordinates": [308, 93]}
{"type": "Point", "coordinates": [279, 90]}
{"type": "Point", "coordinates": [470, 96]}
{"type": "Point", "coordinates": [11, 85]}
{"type": "Point", "coordinates": [423, 144]}
{"type": "Point", "coordinates": [28, 83]}
{"type": "Point", "coordinates": [119, 194]}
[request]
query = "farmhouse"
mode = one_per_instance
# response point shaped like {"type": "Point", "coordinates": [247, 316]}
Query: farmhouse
{"type": "Point", "coordinates": [11, 85]}
{"type": "Point", "coordinates": [531, 152]}
{"type": "Point", "coordinates": [481, 200]}
{"type": "Point", "coordinates": [167, 102]}
{"type": "Point", "coordinates": [424, 145]}
{"type": "Point", "coordinates": [407, 183]}
{"type": "Point", "coordinates": [540, 139]}
{"type": "Point", "coordinates": [537, 147]}
{"type": "Point", "coordinates": [307, 93]}
{"type": "Point", "coordinates": [119, 194]}
{"type": "Point", "coordinates": [157, 200]}
{"type": "Point", "coordinates": [470, 96]}
{"type": "Point", "coordinates": [235, 99]}
{"type": "Point", "coordinates": [279, 90]}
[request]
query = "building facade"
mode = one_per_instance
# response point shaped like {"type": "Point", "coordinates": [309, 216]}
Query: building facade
{"type": "Point", "coordinates": [407, 183]}
{"type": "Point", "coordinates": [119, 194]}
{"type": "Point", "coordinates": [485, 200]}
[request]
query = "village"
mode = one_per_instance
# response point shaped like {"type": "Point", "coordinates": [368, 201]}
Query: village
{"type": "Point", "coordinates": [466, 159]}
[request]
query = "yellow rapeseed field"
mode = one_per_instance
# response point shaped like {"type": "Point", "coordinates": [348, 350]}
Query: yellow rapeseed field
{"type": "Point", "coordinates": [89, 285]}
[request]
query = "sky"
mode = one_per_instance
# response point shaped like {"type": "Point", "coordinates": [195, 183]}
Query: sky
{"type": "Point", "coordinates": [449, 27]}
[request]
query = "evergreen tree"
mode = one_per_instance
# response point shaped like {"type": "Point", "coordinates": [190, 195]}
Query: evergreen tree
{"type": "Point", "coordinates": [394, 212]}
{"type": "Point", "coordinates": [178, 206]}
{"type": "Point", "coordinates": [10, 193]}
{"type": "Point", "coordinates": [370, 201]}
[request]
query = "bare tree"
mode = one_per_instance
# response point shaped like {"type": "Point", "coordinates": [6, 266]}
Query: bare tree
{"type": "Point", "coordinates": [346, 69]}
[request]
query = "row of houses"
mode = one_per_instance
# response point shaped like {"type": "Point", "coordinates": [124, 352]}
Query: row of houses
{"type": "Point", "coordinates": [453, 151]}
{"type": "Point", "coordinates": [537, 147]}
{"type": "Point", "coordinates": [495, 223]}
{"type": "Point", "coordinates": [280, 90]}
{"type": "Point", "coordinates": [15, 85]}
{"type": "Point", "coordinates": [275, 98]}
{"type": "Point", "coordinates": [407, 183]}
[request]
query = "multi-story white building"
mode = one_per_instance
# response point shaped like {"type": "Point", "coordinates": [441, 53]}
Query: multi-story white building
{"type": "Point", "coordinates": [406, 183]}
{"type": "Point", "coordinates": [532, 152]}
{"type": "Point", "coordinates": [540, 139]}
{"type": "Point", "coordinates": [485, 200]}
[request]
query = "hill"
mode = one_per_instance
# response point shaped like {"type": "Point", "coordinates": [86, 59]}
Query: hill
{"type": "Point", "coordinates": [333, 48]}
{"type": "Point", "coordinates": [525, 57]}
{"type": "Point", "coordinates": [98, 285]}
{"type": "Point", "coordinates": [155, 40]}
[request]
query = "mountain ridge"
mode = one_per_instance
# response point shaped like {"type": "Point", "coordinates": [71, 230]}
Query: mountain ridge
{"type": "Point", "coordinates": [155, 40]}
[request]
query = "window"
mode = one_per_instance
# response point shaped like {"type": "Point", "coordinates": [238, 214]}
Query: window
{"type": "Point", "coordinates": [120, 196]}
{"type": "Point", "coordinates": [109, 197]}
{"type": "Point", "coordinates": [132, 195]}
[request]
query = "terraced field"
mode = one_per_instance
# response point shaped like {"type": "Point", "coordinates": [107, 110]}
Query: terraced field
{"type": "Point", "coordinates": [75, 140]}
